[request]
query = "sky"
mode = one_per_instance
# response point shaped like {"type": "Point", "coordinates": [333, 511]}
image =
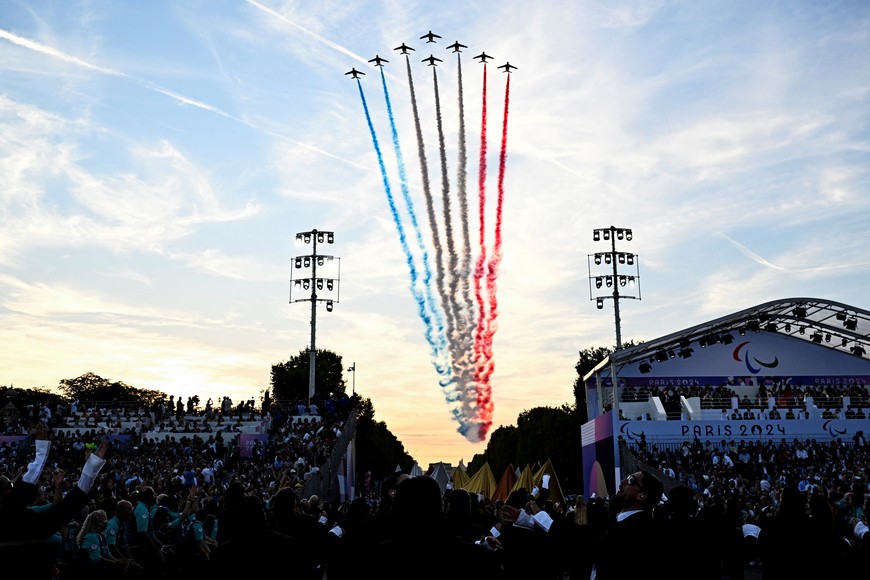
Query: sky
{"type": "Point", "coordinates": [157, 160]}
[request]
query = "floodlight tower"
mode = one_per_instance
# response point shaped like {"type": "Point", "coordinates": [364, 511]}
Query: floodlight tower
{"type": "Point", "coordinates": [608, 269]}
{"type": "Point", "coordinates": [310, 263]}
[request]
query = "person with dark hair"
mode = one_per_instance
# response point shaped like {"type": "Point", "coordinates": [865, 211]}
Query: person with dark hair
{"type": "Point", "coordinates": [786, 540]}
{"type": "Point", "coordinates": [420, 535]}
{"type": "Point", "coordinates": [459, 517]}
{"type": "Point", "coordinates": [256, 551]}
{"type": "Point", "coordinates": [286, 517]}
{"type": "Point", "coordinates": [632, 533]}
{"type": "Point", "coordinates": [691, 554]}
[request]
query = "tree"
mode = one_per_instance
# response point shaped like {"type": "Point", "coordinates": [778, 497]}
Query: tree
{"type": "Point", "coordinates": [290, 379]}
{"type": "Point", "coordinates": [92, 388]}
{"type": "Point", "coordinates": [378, 450]}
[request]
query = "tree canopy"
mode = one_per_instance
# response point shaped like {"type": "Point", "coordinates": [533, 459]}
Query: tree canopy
{"type": "Point", "coordinates": [290, 379]}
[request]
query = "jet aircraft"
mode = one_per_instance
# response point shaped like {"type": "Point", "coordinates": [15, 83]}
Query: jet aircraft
{"type": "Point", "coordinates": [431, 36]}
{"type": "Point", "coordinates": [507, 67]}
{"type": "Point", "coordinates": [378, 60]}
{"type": "Point", "coordinates": [456, 46]}
{"type": "Point", "coordinates": [483, 56]}
{"type": "Point", "coordinates": [354, 74]}
{"type": "Point", "coordinates": [431, 60]}
{"type": "Point", "coordinates": [404, 48]}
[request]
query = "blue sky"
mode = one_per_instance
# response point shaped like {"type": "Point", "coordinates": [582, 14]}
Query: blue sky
{"type": "Point", "coordinates": [158, 158]}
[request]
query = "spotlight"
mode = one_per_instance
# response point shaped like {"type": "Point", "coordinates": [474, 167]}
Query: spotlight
{"type": "Point", "coordinates": [628, 235]}
{"type": "Point", "coordinates": [671, 354]}
{"type": "Point", "coordinates": [596, 236]}
{"type": "Point", "coordinates": [608, 258]}
{"type": "Point", "coordinates": [320, 283]}
{"type": "Point", "coordinates": [644, 367]}
{"type": "Point", "coordinates": [620, 234]}
{"type": "Point", "coordinates": [851, 323]}
{"type": "Point", "coordinates": [727, 339]}
{"type": "Point", "coordinates": [330, 238]}
{"type": "Point", "coordinates": [742, 331]}
{"type": "Point", "coordinates": [307, 238]}
{"type": "Point", "coordinates": [621, 257]}
{"type": "Point", "coordinates": [606, 235]}
{"type": "Point", "coordinates": [841, 316]}
{"type": "Point", "coordinates": [686, 352]}
{"type": "Point", "coordinates": [630, 259]}
{"type": "Point", "coordinates": [319, 260]}
{"type": "Point", "coordinates": [858, 350]}
{"type": "Point", "coordinates": [817, 337]}
{"type": "Point", "coordinates": [800, 312]}
{"type": "Point", "coordinates": [298, 262]}
{"type": "Point", "coordinates": [609, 280]}
{"type": "Point", "coordinates": [845, 341]}
{"type": "Point", "coordinates": [307, 261]}
{"type": "Point", "coordinates": [770, 327]}
{"type": "Point", "coordinates": [598, 281]}
{"type": "Point", "coordinates": [597, 259]}
{"type": "Point", "coordinates": [788, 327]}
{"type": "Point", "coordinates": [599, 303]}
{"type": "Point", "coordinates": [306, 284]}
{"type": "Point", "coordinates": [329, 305]}
{"type": "Point", "coordinates": [802, 330]}
{"type": "Point", "coordinates": [828, 337]}
{"type": "Point", "coordinates": [661, 356]}
{"type": "Point", "coordinates": [320, 237]}
{"type": "Point", "coordinates": [329, 285]}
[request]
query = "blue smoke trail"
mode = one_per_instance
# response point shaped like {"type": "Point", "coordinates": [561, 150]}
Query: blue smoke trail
{"type": "Point", "coordinates": [421, 301]}
{"type": "Point", "coordinates": [436, 349]}
{"type": "Point", "coordinates": [447, 380]}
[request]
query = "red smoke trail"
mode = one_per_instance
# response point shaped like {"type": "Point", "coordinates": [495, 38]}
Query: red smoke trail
{"type": "Point", "coordinates": [481, 259]}
{"type": "Point", "coordinates": [484, 393]}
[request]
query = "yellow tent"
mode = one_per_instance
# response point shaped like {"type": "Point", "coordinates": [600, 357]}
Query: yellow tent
{"type": "Point", "coordinates": [525, 480]}
{"type": "Point", "coordinates": [554, 486]}
{"type": "Point", "coordinates": [460, 478]}
{"type": "Point", "coordinates": [482, 482]}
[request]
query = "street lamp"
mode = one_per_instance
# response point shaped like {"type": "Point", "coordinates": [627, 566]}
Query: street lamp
{"type": "Point", "coordinates": [352, 369]}
{"type": "Point", "coordinates": [315, 284]}
{"type": "Point", "coordinates": [613, 271]}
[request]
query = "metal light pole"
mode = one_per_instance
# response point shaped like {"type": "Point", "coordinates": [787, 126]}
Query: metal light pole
{"type": "Point", "coordinates": [314, 284]}
{"type": "Point", "coordinates": [612, 262]}
{"type": "Point", "coordinates": [352, 369]}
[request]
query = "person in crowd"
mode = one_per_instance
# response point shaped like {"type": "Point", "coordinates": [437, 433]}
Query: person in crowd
{"type": "Point", "coordinates": [420, 534]}
{"type": "Point", "coordinates": [23, 531]}
{"type": "Point", "coordinates": [286, 517]}
{"type": "Point", "coordinates": [632, 535]}
{"type": "Point", "coordinates": [94, 559]}
{"type": "Point", "coordinates": [257, 552]}
{"type": "Point", "coordinates": [786, 539]}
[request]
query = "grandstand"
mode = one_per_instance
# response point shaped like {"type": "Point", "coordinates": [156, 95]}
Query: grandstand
{"type": "Point", "coordinates": [790, 369]}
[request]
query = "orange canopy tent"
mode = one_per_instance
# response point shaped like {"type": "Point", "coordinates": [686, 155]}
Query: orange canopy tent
{"type": "Point", "coordinates": [505, 484]}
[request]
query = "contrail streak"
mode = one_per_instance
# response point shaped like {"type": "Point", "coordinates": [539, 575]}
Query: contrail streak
{"type": "Point", "coordinates": [448, 272]}
{"type": "Point", "coordinates": [431, 303]}
{"type": "Point", "coordinates": [438, 355]}
{"type": "Point", "coordinates": [484, 393]}
{"type": "Point", "coordinates": [152, 86]}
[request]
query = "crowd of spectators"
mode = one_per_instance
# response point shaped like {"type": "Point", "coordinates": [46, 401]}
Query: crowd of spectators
{"type": "Point", "coordinates": [180, 505]}
{"type": "Point", "coordinates": [773, 398]}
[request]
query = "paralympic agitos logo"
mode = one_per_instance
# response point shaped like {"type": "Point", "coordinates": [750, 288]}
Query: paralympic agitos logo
{"type": "Point", "coordinates": [742, 354]}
